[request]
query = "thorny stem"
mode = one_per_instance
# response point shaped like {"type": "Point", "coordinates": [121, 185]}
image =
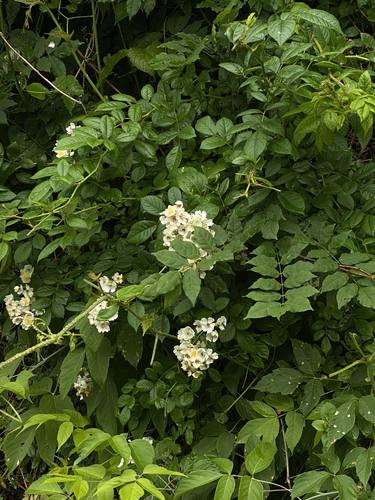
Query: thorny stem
{"type": "Point", "coordinates": [54, 338]}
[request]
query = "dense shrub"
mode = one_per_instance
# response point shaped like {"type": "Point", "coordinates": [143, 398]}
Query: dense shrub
{"type": "Point", "coordinates": [187, 240]}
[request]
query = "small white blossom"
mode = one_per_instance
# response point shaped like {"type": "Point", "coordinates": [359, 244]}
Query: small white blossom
{"type": "Point", "coordinates": [26, 273]}
{"type": "Point", "coordinates": [221, 322]}
{"type": "Point", "coordinates": [118, 278]}
{"type": "Point", "coordinates": [20, 309]}
{"type": "Point", "coordinates": [51, 45]}
{"type": "Point", "coordinates": [101, 325]}
{"type": "Point", "coordinates": [107, 285]}
{"type": "Point", "coordinates": [63, 153]}
{"type": "Point", "coordinates": [185, 334]}
{"type": "Point", "coordinates": [148, 439]}
{"type": "Point", "coordinates": [71, 128]}
{"type": "Point", "coordinates": [83, 384]}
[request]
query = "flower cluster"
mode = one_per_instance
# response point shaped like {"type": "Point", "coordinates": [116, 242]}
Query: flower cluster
{"type": "Point", "coordinates": [192, 351]}
{"type": "Point", "coordinates": [101, 325]}
{"type": "Point", "coordinates": [63, 153]}
{"type": "Point", "coordinates": [19, 309]}
{"type": "Point", "coordinates": [83, 384]}
{"type": "Point", "coordinates": [180, 224]}
{"type": "Point", "coordinates": [109, 285]}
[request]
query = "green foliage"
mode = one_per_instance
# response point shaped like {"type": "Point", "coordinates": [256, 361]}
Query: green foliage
{"type": "Point", "coordinates": [217, 155]}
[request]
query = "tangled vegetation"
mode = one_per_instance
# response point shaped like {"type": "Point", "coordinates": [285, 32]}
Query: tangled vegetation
{"type": "Point", "coordinates": [187, 244]}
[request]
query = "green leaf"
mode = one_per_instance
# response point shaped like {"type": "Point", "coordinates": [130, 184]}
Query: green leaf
{"type": "Point", "coordinates": [307, 356]}
{"type": "Point", "coordinates": [335, 281]}
{"type": "Point", "coordinates": [141, 231]}
{"type": "Point", "coordinates": [266, 428]}
{"type": "Point", "coordinates": [106, 126]}
{"type": "Point", "coordinates": [346, 487]}
{"type": "Point", "coordinates": [130, 292]}
{"type": "Point", "coordinates": [206, 126]}
{"type": "Point", "coordinates": [255, 145]}
{"type": "Point", "coordinates": [260, 457]}
{"type": "Point", "coordinates": [171, 259]}
{"type": "Point", "coordinates": [95, 471]}
{"type": "Point", "coordinates": [16, 446]}
{"type": "Point", "coordinates": [204, 239]}
{"type": "Point", "coordinates": [131, 491]}
{"type": "Point", "coordinates": [191, 284]}
{"type": "Point", "coordinates": [40, 192]}
{"type": "Point", "coordinates": [297, 274]}
{"type": "Point", "coordinates": [346, 294]}
{"type": "Point", "coordinates": [213, 142]}
{"type": "Point", "coordinates": [98, 361]}
{"type": "Point", "coordinates": [44, 486]}
{"type": "Point", "coordinates": [250, 489]}
{"type": "Point", "coordinates": [48, 249]}
{"type": "Point", "coordinates": [4, 247]}
{"type": "Point", "coordinates": [80, 488]}
{"type": "Point", "coordinates": [154, 469]}
{"type": "Point", "coordinates": [130, 344]}
{"type": "Point", "coordinates": [295, 422]}
{"type": "Point", "coordinates": [364, 464]}
{"type": "Point", "coordinates": [281, 380]}
{"type": "Point", "coordinates": [173, 158]}
{"type": "Point", "coordinates": [366, 408]}
{"type": "Point", "coordinates": [22, 252]}
{"type": "Point", "coordinates": [191, 181]}
{"type": "Point", "coordinates": [281, 29]}
{"type": "Point", "coordinates": [309, 482]}
{"type": "Point", "coordinates": [167, 282]}
{"type": "Point", "coordinates": [70, 368]}
{"type": "Point", "coordinates": [366, 296]}
{"type": "Point", "coordinates": [225, 488]}
{"type": "Point", "coordinates": [292, 201]}
{"type": "Point", "coordinates": [319, 18]}
{"type": "Point", "coordinates": [142, 453]}
{"type": "Point", "coordinates": [186, 249]}
{"type": "Point", "coordinates": [196, 479]}
{"type": "Point", "coordinates": [64, 433]}
{"type": "Point", "coordinates": [37, 90]}
{"type": "Point", "coordinates": [42, 418]}
{"type": "Point", "coordinates": [340, 423]}
{"type": "Point", "coordinates": [150, 487]}
{"type": "Point", "coordinates": [264, 309]}
{"type": "Point", "coordinates": [234, 68]}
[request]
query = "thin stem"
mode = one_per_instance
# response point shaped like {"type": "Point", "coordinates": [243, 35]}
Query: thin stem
{"type": "Point", "coordinates": [286, 454]}
{"type": "Point", "coordinates": [95, 33]}
{"type": "Point", "coordinates": [54, 338]}
{"type": "Point", "coordinates": [37, 71]}
{"type": "Point", "coordinates": [320, 495]}
{"type": "Point", "coordinates": [74, 53]}
{"type": "Point", "coordinates": [348, 367]}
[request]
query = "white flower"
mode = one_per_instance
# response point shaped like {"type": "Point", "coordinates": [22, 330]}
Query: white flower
{"type": "Point", "coordinates": [83, 384]}
{"type": "Point", "coordinates": [148, 439]}
{"type": "Point", "coordinates": [185, 334]}
{"type": "Point", "coordinates": [107, 285]}
{"type": "Point", "coordinates": [221, 322]}
{"type": "Point", "coordinates": [51, 45]}
{"type": "Point", "coordinates": [19, 310]}
{"type": "Point", "coordinates": [101, 325]}
{"type": "Point", "coordinates": [71, 128]}
{"type": "Point", "coordinates": [26, 272]}
{"type": "Point", "coordinates": [118, 278]}
{"type": "Point", "coordinates": [63, 153]}
{"type": "Point", "coordinates": [205, 325]}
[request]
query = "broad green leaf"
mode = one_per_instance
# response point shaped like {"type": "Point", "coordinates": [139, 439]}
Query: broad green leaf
{"type": "Point", "coordinates": [346, 487]}
{"type": "Point", "coordinates": [167, 282]}
{"type": "Point", "coordinates": [260, 457]}
{"type": "Point", "coordinates": [44, 487]}
{"type": "Point", "coordinates": [250, 489]}
{"type": "Point", "coordinates": [95, 471]}
{"type": "Point", "coordinates": [346, 294]}
{"type": "Point", "coordinates": [191, 284]}
{"type": "Point", "coordinates": [340, 423]}
{"type": "Point", "coordinates": [267, 428]}
{"type": "Point", "coordinates": [364, 464]}
{"type": "Point", "coordinates": [174, 158]}
{"type": "Point", "coordinates": [161, 471]}
{"type": "Point", "coordinates": [131, 491]}
{"type": "Point", "coordinates": [255, 145]}
{"type": "Point", "coordinates": [292, 201]}
{"type": "Point", "coordinates": [186, 249]}
{"type": "Point", "coordinates": [16, 446]}
{"type": "Point", "coordinates": [206, 126]}
{"type": "Point", "coordinates": [80, 488]}
{"type": "Point", "coordinates": [234, 68]}
{"type": "Point", "coordinates": [130, 292]}
{"type": "Point", "coordinates": [147, 485]}
{"type": "Point", "coordinates": [42, 418]}
{"type": "Point", "coordinates": [335, 281]}
{"type": "Point", "coordinates": [366, 296]}
{"type": "Point", "coordinates": [281, 380]}
{"type": "Point", "coordinates": [295, 423]}
{"type": "Point", "coordinates": [142, 453]}
{"type": "Point", "coordinates": [141, 231]}
{"type": "Point", "coordinates": [366, 408]}
{"type": "Point", "coordinates": [309, 482]}
{"type": "Point", "coordinates": [37, 90]}
{"type": "Point", "coordinates": [307, 356]}
{"type": "Point", "coordinates": [319, 18]}
{"type": "Point", "coordinates": [313, 391]}
{"type": "Point", "coordinates": [225, 488]}
{"type": "Point", "coordinates": [171, 259]}
{"type": "Point", "coordinates": [64, 433]}
{"type": "Point", "coordinates": [98, 361]}
{"type": "Point", "coordinates": [152, 205]}
{"type": "Point", "coordinates": [48, 249]}
{"type": "Point", "coordinates": [213, 142]}
{"type": "Point", "coordinates": [280, 29]}
{"type": "Point", "coordinates": [298, 273]}
{"type": "Point", "coordinates": [130, 344]}
{"type": "Point", "coordinates": [196, 479]}
{"type": "Point", "coordinates": [69, 370]}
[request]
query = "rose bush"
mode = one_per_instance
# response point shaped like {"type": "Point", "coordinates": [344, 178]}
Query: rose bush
{"type": "Point", "coordinates": [187, 249]}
